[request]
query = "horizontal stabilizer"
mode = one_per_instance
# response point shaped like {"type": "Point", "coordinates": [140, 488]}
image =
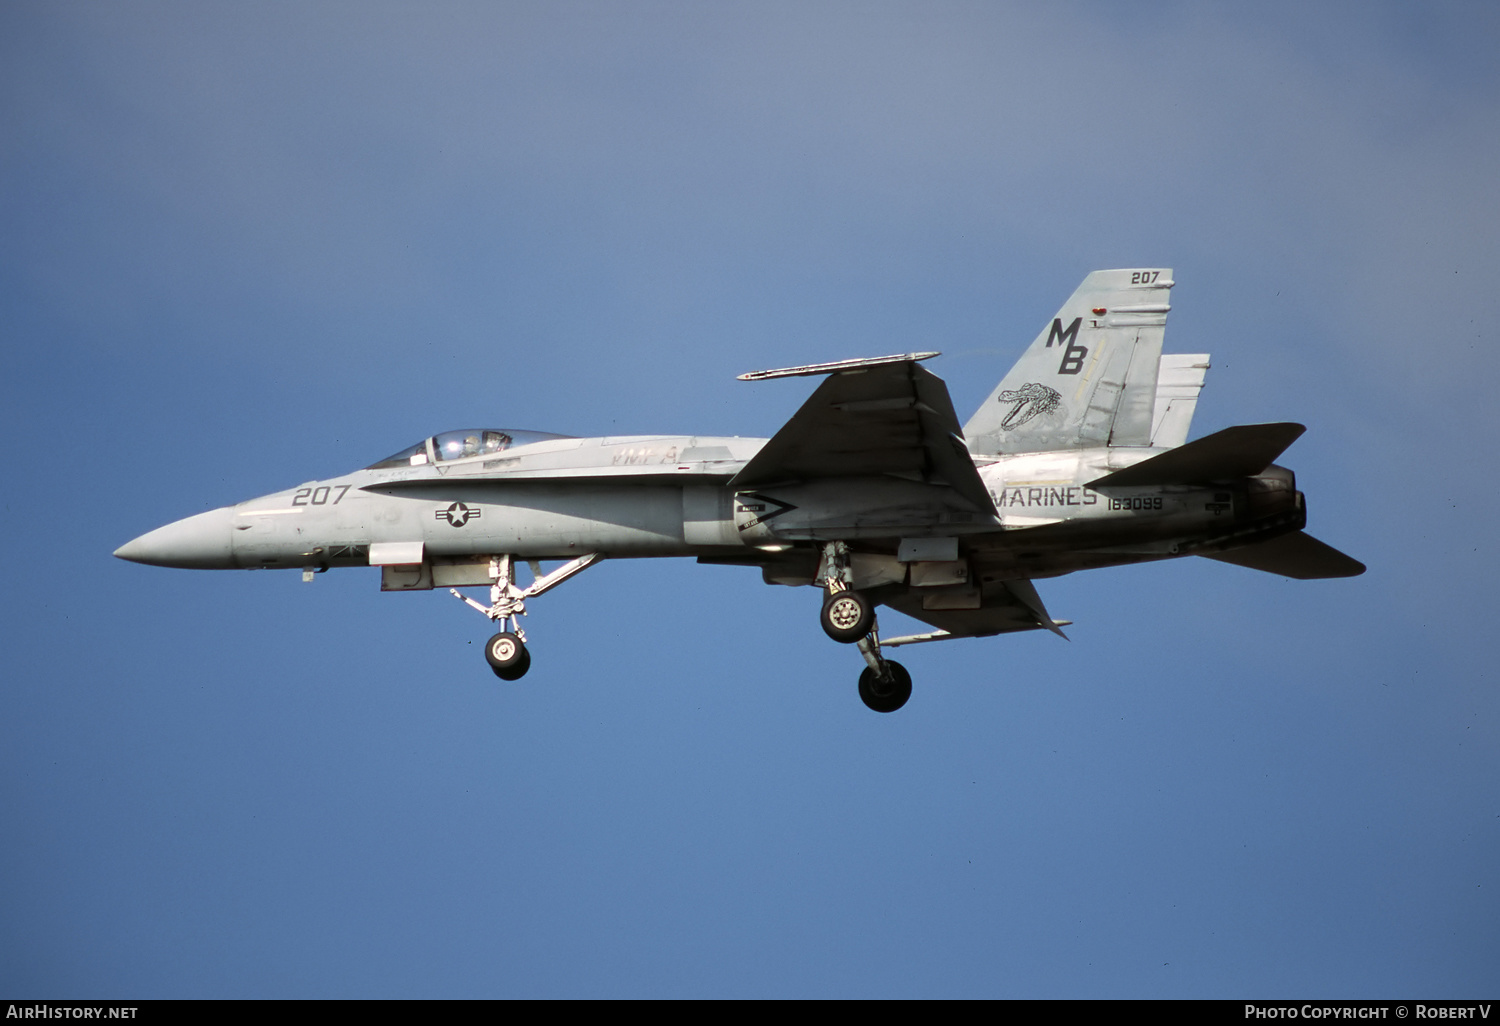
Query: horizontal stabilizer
{"type": "Point", "coordinates": [1242, 451]}
{"type": "Point", "coordinates": [1297, 555]}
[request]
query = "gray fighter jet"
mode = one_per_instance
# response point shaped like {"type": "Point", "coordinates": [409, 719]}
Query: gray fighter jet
{"type": "Point", "coordinates": [871, 492]}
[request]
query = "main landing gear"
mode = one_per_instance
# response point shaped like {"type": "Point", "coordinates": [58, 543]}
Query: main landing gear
{"type": "Point", "coordinates": [508, 656]}
{"type": "Point", "coordinates": [506, 652]}
{"type": "Point", "coordinates": [849, 618]}
{"type": "Point", "coordinates": [888, 694]}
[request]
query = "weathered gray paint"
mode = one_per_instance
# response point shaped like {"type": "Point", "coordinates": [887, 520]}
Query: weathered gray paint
{"type": "Point", "coordinates": [874, 460]}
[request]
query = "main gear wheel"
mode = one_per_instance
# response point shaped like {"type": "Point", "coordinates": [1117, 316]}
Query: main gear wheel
{"type": "Point", "coordinates": [847, 616]}
{"type": "Point", "coordinates": [888, 694]}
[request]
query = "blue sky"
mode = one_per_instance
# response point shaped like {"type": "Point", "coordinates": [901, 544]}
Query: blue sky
{"type": "Point", "coordinates": [249, 245]}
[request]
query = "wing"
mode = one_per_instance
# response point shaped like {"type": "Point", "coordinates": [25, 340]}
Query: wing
{"type": "Point", "coordinates": [1001, 608]}
{"type": "Point", "coordinates": [881, 417]}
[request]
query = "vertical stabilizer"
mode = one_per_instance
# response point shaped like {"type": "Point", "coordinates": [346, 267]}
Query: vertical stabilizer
{"type": "Point", "coordinates": [1179, 379]}
{"type": "Point", "coordinates": [1089, 379]}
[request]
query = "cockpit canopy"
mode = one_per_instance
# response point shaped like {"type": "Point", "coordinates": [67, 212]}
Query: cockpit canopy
{"type": "Point", "coordinates": [458, 445]}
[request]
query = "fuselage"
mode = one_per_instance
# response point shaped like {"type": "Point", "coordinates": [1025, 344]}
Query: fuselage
{"type": "Point", "coordinates": [660, 496]}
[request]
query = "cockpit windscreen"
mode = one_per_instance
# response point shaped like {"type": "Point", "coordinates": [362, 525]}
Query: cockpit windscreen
{"type": "Point", "coordinates": [458, 445]}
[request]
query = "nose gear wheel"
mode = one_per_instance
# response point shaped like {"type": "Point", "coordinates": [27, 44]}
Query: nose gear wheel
{"type": "Point", "coordinates": [507, 656]}
{"type": "Point", "coordinates": [506, 652]}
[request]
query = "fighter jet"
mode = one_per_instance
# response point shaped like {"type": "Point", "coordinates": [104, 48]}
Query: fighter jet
{"type": "Point", "coordinates": [872, 492]}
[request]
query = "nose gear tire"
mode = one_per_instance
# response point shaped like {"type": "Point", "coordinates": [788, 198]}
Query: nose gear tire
{"type": "Point", "coordinates": [517, 671]}
{"type": "Point", "coordinates": [507, 655]}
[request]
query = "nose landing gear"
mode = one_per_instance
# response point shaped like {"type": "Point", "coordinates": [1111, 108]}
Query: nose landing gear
{"type": "Point", "coordinates": [508, 656]}
{"type": "Point", "coordinates": [506, 652]}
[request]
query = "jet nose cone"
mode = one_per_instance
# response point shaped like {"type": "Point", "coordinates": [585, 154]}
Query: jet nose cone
{"type": "Point", "coordinates": [201, 542]}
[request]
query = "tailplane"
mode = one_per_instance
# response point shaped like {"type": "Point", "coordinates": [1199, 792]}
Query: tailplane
{"type": "Point", "coordinates": [1241, 451]}
{"type": "Point", "coordinates": [1090, 378]}
{"type": "Point", "coordinates": [1298, 555]}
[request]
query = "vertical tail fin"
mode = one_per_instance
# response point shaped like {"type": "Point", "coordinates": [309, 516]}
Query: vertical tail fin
{"type": "Point", "coordinates": [1179, 379]}
{"type": "Point", "coordinates": [1089, 378]}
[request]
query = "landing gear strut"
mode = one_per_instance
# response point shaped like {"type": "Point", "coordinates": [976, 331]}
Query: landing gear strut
{"type": "Point", "coordinates": [884, 684]}
{"type": "Point", "coordinates": [506, 652]}
{"type": "Point", "coordinates": [849, 617]}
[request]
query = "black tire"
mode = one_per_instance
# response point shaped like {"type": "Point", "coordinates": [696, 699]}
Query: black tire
{"type": "Point", "coordinates": [885, 696]}
{"type": "Point", "coordinates": [504, 651]}
{"type": "Point", "coordinates": [517, 671]}
{"type": "Point", "coordinates": [847, 616]}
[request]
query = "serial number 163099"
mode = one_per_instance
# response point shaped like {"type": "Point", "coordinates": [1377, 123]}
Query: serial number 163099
{"type": "Point", "coordinates": [1137, 502]}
